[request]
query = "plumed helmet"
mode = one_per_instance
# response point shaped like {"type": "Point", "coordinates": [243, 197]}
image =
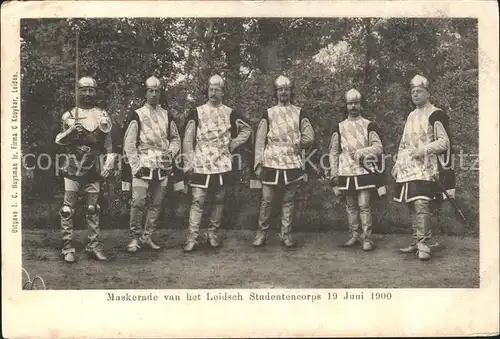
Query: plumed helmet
{"type": "Point", "coordinates": [87, 82]}
{"type": "Point", "coordinates": [352, 95]}
{"type": "Point", "coordinates": [419, 81]}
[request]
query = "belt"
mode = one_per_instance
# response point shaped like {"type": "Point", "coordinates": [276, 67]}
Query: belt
{"type": "Point", "coordinates": [83, 148]}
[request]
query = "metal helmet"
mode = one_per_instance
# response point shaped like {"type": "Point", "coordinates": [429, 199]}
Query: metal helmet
{"type": "Point", "coordinates": [153, 82]}
{"type": "Point", "coordinates": [216, 80]}
{"type": "Point", "coordinates": [282, 81]}
{"type": "Point", "coordinates": [352, 95]}
{"type": "Point", "coordinates": [87, 82]}
{"type": "Point", "coordinates": [419, 81]}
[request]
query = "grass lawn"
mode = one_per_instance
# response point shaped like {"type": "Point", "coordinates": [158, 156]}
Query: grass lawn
{"type": "Point", "coordinates": [318, 262]}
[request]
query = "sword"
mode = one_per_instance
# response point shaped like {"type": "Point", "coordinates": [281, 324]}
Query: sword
{"type": "Point", "coordinates": [453, 204]}
{"type": "Point", "coordinates": [76, 72]}
{"type": "Point", "coordinates": [77, 99]}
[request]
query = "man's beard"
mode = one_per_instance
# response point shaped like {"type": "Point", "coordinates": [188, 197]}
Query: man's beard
{"type": "Point", "coordinates": [87, 100]}
{"type": "Point", "coordinates": [285, 99]}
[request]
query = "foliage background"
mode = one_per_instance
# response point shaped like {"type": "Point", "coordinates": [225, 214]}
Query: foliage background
{"type": "Point", "coordinates": [324, 57]}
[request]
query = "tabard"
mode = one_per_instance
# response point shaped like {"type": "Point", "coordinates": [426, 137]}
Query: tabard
{"type": "Point", "coordinates": [355, 148]}
{"type": "Point", "coordinates": [283, 138]}
{"type": "Point", "coordinates": [282, 135]}
{"type": "Point", "coordinates": [426, 129]}
{"type": "Point", "coordinates": [151, 140]}
{"type": "Point", "coordinates": [211, 136]}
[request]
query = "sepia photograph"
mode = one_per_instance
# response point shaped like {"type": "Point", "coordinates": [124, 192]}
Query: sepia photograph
{"type": "Point", "coordinates": [252, 152]}
{"type": "Point", "coordinates": [248, 158]}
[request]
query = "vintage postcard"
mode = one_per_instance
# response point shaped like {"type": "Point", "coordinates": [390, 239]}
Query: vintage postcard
{"type": "Point", "coordinates": [250, 169]}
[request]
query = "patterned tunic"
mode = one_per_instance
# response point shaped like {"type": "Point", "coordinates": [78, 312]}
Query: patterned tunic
{"type": "Point", "coordinates": [208, 142]}
{"type": "Point", "coordinates": [419, 133]}
{"type": "Point", "coordinates": [213, 134]}
{"type": "Point", "coordinates": [424, 129]}
{"type": "Point", "coordinates": [151, 140]}
{"type": "Point", "coordinates": [283, 138]}
{"type": "Point", "coordinates": [359, 140]}
{"type": "Point", "coordinates": [282, 133]}
{"type": "Point", "coordinates": [85, 148]}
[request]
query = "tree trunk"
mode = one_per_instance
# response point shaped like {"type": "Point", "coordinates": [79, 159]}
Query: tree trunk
{"type": "Point", "coordinates": [269, 31]}
{"type": "Point", "coordinates": [232, 50]}
{"type": "Point", "coordinates": [207, 38]}
{"type": "Point", "coordinates": [369, 46]}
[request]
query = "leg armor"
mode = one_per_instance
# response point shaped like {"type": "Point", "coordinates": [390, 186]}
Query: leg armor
{"type": "Point", "coordinates": [66, 213]}
{"type": "Point", "coordinates": [92, 213]}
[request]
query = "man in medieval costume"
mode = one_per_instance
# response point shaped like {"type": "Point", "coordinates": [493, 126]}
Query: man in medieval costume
{"type": "Point", "coordinates": [213, 133]}
{"type": "Point", "coordinates": [283, 135]}
{"type": "Point", "coordinates": [424, 156]}
{"type": "Point", "coordinates": [151, 144]}
{"type": "Point", "coordinates": [355, 151]}
{"type": "Point", "coordinates": [86, 135]}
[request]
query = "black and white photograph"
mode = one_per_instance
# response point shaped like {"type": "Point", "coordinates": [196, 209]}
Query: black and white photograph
{"type": "Point", "coordinates": [293, 104]}
{"type": "Point", "coordinates": [244, 156]}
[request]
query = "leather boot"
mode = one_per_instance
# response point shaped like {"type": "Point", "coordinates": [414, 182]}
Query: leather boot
{"type": "Point", "coordinates": [151, 244]}
{"type": "Point", "coordinates": [70, 257]}
{"type": "Point", "coordinates": [287, 241]}
{"type": "Point", "coordinates": [367, 246]}
{"type": "Point", "coordinates": [213, 239]}
{"type": "Point", "coordinates": [190, 243]}
{"type": "Point", "coordinates": [133, 246]}
{"type": "Point", "coordinates": [424, 252]}
{"type": "Point", "coordinates": [410, 249]}
{"type": "Point", "coordinates": [260, 239]}
{"type": "Point", "coordinates": [353, 240]}
{"type": "Point", "coordinates": [97, 254]}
